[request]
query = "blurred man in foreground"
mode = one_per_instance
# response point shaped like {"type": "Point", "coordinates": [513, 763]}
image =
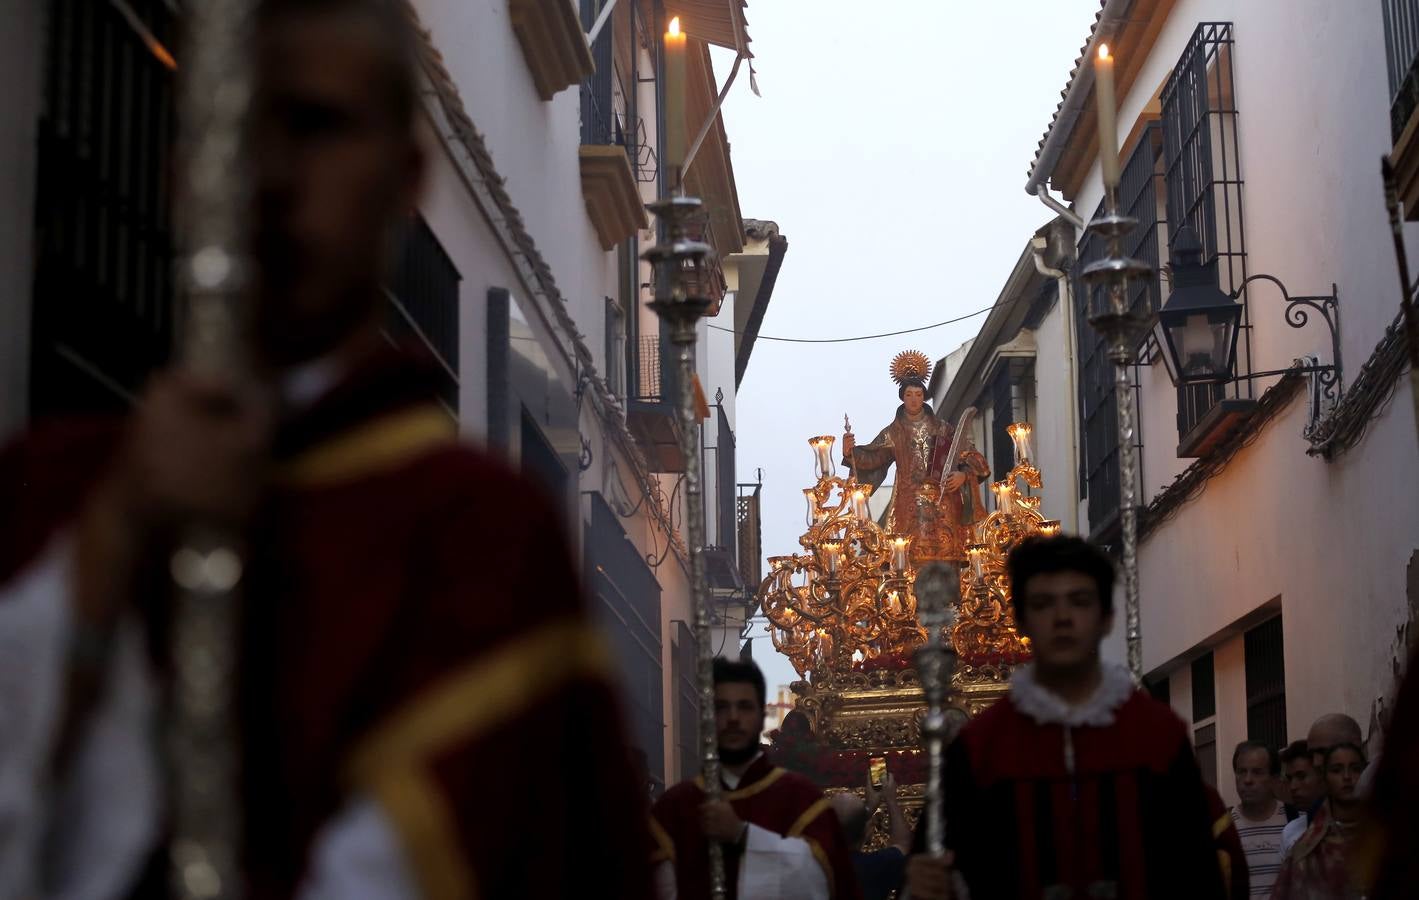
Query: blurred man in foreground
{"type": "Point", "coordinates": [385, 681]}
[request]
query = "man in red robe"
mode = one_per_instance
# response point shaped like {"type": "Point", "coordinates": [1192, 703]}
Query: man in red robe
{"type": "Point", "coordinates": [1077, 784]}
{"type": "Point", "coordinates": [416, 658]}
{"type": "Point", "coordinates": [780, 836]}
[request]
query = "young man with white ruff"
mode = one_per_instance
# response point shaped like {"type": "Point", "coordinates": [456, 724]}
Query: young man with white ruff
{"type": "Point", "coordinates": [1078, 784]}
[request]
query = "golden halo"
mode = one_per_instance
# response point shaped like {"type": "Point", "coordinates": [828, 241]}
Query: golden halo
{"type": "Point", "coordinates": [910, 365]}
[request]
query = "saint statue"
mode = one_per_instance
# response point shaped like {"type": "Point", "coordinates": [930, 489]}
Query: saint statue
{"type": "Point", "coordinates": [936, 505]}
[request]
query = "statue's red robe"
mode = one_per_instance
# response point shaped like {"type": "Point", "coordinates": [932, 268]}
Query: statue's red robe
{"type": "Point", "coordinates": [414, 634]}
{"type": "Point", "coordinates": [780, 801]}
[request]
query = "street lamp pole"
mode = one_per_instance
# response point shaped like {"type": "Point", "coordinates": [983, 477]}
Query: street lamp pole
{"type": "Point", "coordinates": [1111, 314]}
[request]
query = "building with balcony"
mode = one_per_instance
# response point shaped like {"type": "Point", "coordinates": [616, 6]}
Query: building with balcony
{"type": "Point", "coordinates": [520, 273]}
{"type": "Point", "coordinates": [1278, 533]}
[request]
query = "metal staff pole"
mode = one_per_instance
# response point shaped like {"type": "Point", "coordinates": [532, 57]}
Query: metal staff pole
{"type": "Point", "coordinates": [680, 307]}
{"type": "Point", "coordinates": [213, 275]}
{"type": "Point", "coordinates": [1112, 316]}
{"type": "Point", "coordinates": [938, 591]}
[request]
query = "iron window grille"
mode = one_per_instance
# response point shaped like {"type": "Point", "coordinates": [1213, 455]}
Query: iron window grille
{"type": "Point", "coordinates": [608, 114]}
{"type": "Point", "coordinates": [627, 601]}
{"type": "Point", "coordinates": [615, 348]}
{"type": "Point", "coordinates": [724, 527]}
{"type": "Point", "coordinates": [103, 287]}
{"type": "Point", "coordinates": [1266, 683]}
{"type": "Point", "coordinates": [423, 299]}
{"type": "Point", "coordinates": [1204, 186]}
{"type": "Point", "coordinates": [1401, 18]}
{"type": "Point", "coordinates": [1141, 192]}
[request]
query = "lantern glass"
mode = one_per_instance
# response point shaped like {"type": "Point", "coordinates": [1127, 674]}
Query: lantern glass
{"type": "Point", "coordinates": [1202, 342]}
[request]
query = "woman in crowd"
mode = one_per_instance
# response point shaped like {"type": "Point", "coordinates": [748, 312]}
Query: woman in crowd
{"type": "Point", "coordinates": [1324, 863]}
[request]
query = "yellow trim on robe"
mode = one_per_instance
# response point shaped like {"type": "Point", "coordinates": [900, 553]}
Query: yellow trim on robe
{"type": "Point", "coordinates": [808, 816]}
{"type": "Point", "coordinates": [481, 696]}
{"type": "Point", "coordinates": [666, 847]}
{"type": "Point", "coordinates": [761, 785]}
{"type": "Point", "coordinates": [1224, 862]}
{"type": "Point", "coordinates": [380, 444]}
{"type": "Point", "coordinates": [427, 832]}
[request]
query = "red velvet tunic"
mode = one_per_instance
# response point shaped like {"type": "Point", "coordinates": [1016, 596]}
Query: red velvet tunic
{"type": "Point", "coordinates": [771, 798]}
{"type": "Point", "coordinates": [414, 633]}
{"type": "Point", "coordinates": [1131, 821]}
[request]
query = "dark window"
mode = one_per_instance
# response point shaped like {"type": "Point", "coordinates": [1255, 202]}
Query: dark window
{"type": "Point", "coordinates": [1401, 19]}
{"type": "Point", "coordinates": [1266, 684]}
{"type": "Point", "coordinates": [1160, 689]}
{"type": "Point", "coordinates": [1140, 191]}
{"type": "Point", "coordinates": [103, 289]}
{"type": "Point", "coordinates": [687, 700]}
{"type": "Point", "coordinates": [1205, 184]}
{"type": "Point", "coordinates": [627, 602]}
{"type": "Point", "coordinates": [1204, 688]}
{"type": "Point", "coordinates": [423, 290]}
{"type": "Point", "coordinates": [1002, 400]}
{"type": "Point", "coordinates": [1204, 742]}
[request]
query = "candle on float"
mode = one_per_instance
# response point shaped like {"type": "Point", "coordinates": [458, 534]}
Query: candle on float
{"type": "Point", "coordinates": [1004, 496]}
{"type": "Point", "coordinates": [674, 96]}
{"type": "Point", "coordinates": [823, 454]}
{"type": "Point", "coordinates": [1049, 528]}
{"type": "Point", "coordinates": [1020, 435]}
{"type": "Point", "coordinates": [1107, 115]}
{"type": "Point", "coordinates": [859, 504]}
{"type": "Point", "coordinates": [977, 554]}
{"type": "Point", "coordinates": [900, 543]}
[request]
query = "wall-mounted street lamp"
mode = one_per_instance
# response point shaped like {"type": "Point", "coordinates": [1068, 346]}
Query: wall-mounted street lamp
{"type": "Point", "coordinates": [1199, 323]}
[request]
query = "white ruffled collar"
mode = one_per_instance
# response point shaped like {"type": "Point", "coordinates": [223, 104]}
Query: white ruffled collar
{"type": "Point", "coordinates": [1046, 707]}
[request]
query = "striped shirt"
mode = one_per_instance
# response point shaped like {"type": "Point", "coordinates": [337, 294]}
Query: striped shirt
{"type": "Point", "coordinates": [1261, 840]}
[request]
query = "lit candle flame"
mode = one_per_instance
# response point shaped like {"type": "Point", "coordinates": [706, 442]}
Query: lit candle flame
{"type": "Point", "coordinates": [1103, 48]}
{"type": "Point", "coordinates": [675, 29]}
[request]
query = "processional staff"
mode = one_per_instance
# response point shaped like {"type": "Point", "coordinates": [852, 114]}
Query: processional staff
{"type": "Point", "coordinates": [213, 278]}
{"type": "Point", "coordinates": [938, 591]}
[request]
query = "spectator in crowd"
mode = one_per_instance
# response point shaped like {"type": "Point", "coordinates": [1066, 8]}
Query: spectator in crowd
{"type": "Point", "coordinates": [1329, 730]}
{"type": "Point", "coordinates": [1324, 863]}
{"type": "Point", "coordinates": [1260, 817]}
{"type": "Point", "coordinates": [1307, 791]}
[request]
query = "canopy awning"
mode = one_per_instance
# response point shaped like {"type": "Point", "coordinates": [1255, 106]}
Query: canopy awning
{"type": "Point", "coordinates": [717, 22]}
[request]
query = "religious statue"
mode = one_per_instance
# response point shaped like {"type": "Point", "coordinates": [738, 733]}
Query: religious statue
{"type": "Point", "coordinates": [936, 506]}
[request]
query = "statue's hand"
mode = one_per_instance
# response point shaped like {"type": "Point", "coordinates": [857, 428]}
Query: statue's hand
{"type": "Point", "coordinates": [849, 441]}
{"type": "Point", "coordinates": [955, 481]}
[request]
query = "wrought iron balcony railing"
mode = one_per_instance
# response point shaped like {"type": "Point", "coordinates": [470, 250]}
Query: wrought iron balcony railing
{"type": "Point", "coordinates": [1401, 18]}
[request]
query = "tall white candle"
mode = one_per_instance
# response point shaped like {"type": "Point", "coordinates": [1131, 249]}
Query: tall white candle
{"type": "Point", "coordinates": [674, 96]}
{"type": "Point", "coordinates": [1107, 114]}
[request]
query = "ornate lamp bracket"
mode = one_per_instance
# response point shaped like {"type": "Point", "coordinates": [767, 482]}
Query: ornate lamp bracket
{"type": "Point", "coordinates": [1328, 379]}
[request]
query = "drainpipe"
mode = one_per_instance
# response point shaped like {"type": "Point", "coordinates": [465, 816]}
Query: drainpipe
{"type": "Point", "coordinates": [1064, 212]}
{"type": "Point", "coordinates": [1040, 244]}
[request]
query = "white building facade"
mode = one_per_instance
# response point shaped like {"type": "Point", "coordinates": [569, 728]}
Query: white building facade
{"type": "Point", "coordinates": [1278, 526]}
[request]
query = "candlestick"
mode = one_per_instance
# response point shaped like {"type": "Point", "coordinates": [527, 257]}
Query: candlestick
{"type": "Point", "coordinates": [674, 98]}
{"type": "Point", "coordinates": [1108, 116]}
{"type": "Point", "coordinates": [900, 544]}
{"type": "Point", "coordinates": [859, 503]}
{"type": "Point", "coordinates": [823, 454]}
{"type": "Point", "coordinates": [1020, 433]}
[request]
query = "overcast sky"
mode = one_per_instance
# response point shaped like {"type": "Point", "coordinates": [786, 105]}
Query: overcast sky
{"type": "Point", "coordinates": [891, 145]}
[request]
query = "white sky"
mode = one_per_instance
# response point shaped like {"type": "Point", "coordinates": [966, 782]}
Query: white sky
{"type": "Point", "coordinates": [891, 146]}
